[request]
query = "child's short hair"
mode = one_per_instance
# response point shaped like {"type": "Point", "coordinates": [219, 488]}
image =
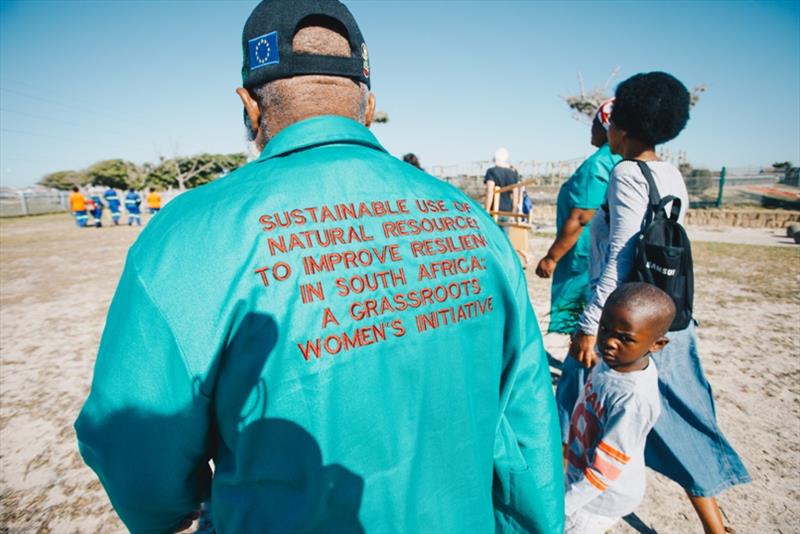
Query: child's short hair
{"type": "Point", "coordinates": [652, 107]}
{"type": "Point", "coordinates": [645, 299]}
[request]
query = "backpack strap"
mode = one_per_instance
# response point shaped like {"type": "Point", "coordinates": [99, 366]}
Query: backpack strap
{"type": "Point", "coordinates": [655, 198]}
{"type": "Point", "coordinates": [675, 209]}
{"type": "Point", "coordinates": [655, 203]}
{"type": "Point", "coordinates": [658, 204]}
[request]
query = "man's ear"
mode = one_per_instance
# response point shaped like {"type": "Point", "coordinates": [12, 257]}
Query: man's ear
{"type": "Point", "coordinates": [250, 107]}
{"type": "Point", "coordinates": [659, 344]}
{"type": "Point", "coordinates": [370, 110]}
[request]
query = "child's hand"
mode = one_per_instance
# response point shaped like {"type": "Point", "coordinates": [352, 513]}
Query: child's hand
{"type": "Point", "coordinates": [188, 520]}
{"type": "Point", "coordinates": [581, 348]}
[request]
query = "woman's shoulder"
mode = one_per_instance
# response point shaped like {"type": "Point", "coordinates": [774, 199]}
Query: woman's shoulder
{"type": "Point", "coordinates": [627, 173]}
{"type": "Point", "coordinates": [629, 169]}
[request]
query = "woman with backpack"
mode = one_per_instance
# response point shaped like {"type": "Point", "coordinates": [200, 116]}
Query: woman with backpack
{"type": "Point", "coordinates": [686, 445]}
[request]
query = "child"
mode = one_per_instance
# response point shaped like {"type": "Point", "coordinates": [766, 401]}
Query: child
{"type": "Point", "coordinates": [616, 409]}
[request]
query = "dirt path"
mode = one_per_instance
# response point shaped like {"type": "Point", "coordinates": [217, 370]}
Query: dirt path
{"type": "Point", "coordinates": [56, 282]}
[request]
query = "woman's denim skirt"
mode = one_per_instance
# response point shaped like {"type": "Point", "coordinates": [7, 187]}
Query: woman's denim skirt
{"type": "Point", "coordinates": [685, 445]}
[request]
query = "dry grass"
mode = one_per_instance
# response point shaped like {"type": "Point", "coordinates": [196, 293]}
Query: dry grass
{"type": "Point", "coordinates": [759, 272]}
{"type": "Point", "coordinates": [56, 282]}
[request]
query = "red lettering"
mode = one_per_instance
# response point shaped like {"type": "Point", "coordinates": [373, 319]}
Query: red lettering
{"type": "Point", "coordinates": [389, 228]}
{"type": "Point", "coordinates": [311, 347]}
{"type": "Point", "coordinates": [267, 223]}
{"type": "Point", "coordinates": [399, 329]}
{"type": "Point", "coordinates": [286, 271]}
{"type": "Point", "coordinates": [337, 344]}
{"type": "Point", "coordinates": [327, 214]}
{"type": "Point", "coordinates": [328, 317]}
{"type": "Point", "coordinates": [263, 272]}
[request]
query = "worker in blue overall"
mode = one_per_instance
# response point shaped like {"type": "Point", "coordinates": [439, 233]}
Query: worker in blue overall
{"type": "Point", "coordinates": [97, 210]}
{"type": "Point", "coordinates": [112, 199]}
{"type": "Point", "coordinates": [133, 202]}
{"type": "Point", "coordinates": [349, 339]}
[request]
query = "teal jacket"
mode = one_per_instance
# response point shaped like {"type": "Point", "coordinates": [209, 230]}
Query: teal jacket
{"type": "Point", "coordinates": [350, 341]}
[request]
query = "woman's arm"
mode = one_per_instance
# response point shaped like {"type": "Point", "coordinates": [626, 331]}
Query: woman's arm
{"type": "Point", "coordinates": [627, 204]}
{"type": "Point", "coordinates": [566, 239]}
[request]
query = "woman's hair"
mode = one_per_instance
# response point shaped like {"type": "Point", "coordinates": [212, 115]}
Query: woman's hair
{"type": "Point", "coordinates": [652, 107]}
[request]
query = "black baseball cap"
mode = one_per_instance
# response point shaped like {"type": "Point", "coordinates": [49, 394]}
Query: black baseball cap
{"type": "Point", "coordinates": [267, 42]}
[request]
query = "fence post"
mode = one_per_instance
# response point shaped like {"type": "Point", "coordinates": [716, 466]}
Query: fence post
{"type": "Point", "coordinates": [721, 187]}
{"type": "Point", "coordinates": [23, 202]}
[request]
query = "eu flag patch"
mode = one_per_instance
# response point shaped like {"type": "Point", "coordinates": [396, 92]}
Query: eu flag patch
{"type": "Point", "coordinates": [263, 50]}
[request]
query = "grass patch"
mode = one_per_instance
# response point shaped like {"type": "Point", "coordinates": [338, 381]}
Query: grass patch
{"type": "Point", "coordinates": [769, 272]}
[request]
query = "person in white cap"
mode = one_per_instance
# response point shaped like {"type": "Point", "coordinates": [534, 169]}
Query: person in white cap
{"type": "Point", "coordinates": [502, 174]}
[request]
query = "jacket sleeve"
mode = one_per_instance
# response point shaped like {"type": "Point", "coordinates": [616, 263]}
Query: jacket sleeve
{"type": "Point", "coordinates": [529, 479]}
{"type": "Point", "coordinates": [144, 428]}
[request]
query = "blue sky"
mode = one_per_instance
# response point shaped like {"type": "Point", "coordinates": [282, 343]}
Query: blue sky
{"type": "Point", "coordinates": [91, 80]}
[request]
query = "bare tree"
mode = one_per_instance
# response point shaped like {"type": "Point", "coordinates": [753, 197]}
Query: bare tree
{"type": "Point", "coordinates": [194, 169]}
{"type": "Point", "coordinates": [584, 104]}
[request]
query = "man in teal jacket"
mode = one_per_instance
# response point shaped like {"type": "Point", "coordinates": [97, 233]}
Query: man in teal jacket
{"type": "Point", "coordinates": [350, 340]}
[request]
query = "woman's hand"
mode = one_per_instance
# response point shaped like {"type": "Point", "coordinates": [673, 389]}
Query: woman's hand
{"type": "Point", "coordinates": [581, 348]}
{"type": "Point", "coordinates": [546, 267]}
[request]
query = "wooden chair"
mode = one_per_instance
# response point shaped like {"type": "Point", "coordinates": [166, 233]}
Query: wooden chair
{"type": "Point", "coordinates": [516, 224]}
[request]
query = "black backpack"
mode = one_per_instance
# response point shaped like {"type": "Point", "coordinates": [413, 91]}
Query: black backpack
{"type": "Point", "coordinates": [664, 253]}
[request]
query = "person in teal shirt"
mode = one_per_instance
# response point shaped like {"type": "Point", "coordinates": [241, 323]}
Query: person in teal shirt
{"type": "Point", "coordinates": [567, 260]}
{"type": "Point", "coordinates": [349, 339]}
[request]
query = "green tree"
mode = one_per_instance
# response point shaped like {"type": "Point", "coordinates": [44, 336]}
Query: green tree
{"type": "Point", "coordinates": [64, 180]}
{"type": "Point", "coordinates": [116, 173]}
{"type": "Point", "coordinates": [193, 171]}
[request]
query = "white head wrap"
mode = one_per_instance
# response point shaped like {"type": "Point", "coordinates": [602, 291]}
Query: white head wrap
{"type": "Point", "coordinates": [501, 157]}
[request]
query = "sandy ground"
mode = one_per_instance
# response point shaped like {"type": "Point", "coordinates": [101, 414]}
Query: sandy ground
{"type": "Point", "coordinates": [52, 309]}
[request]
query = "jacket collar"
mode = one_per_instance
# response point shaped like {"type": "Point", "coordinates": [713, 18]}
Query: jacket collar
{"type": "Point", "coordinates": [318, 131]}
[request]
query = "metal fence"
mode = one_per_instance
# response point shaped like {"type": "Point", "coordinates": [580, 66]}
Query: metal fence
{"type": "Point", "coordinates": [741, 186]}
{"type": "Point", "coordinates": [21, 202]}
{"type": "Point", "coordinates": [15, 202]}
{"type": "Point", "coordinates": [546, 170]}
{"type": "Point", "coordinates": [727, 186]}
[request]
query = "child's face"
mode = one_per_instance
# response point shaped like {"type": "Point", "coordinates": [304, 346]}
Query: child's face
{"type": "Point", "coordinates": [625, 339]}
